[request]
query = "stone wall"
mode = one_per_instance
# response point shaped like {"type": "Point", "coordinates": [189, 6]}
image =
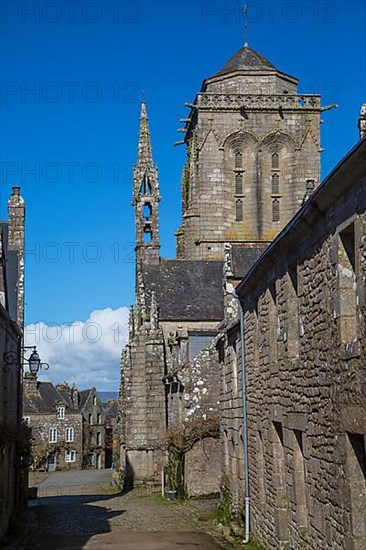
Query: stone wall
{"type": "Point", "coordinates": [305, 357]}
{"type": "Point", "coordinates": [193, 397]}
{"type": "Point", "coordinates": [11, 471]}
{"type": "Point", "coordinates": [41, 424]}
{"type": "Point", "coordinates": [13, 449]}
{"type": "Point", "coordinates": [202, 468]}
{"type": "Point", "coordinates": [143, 407]}
{"type": "Point", "coordinates": [93, 431]}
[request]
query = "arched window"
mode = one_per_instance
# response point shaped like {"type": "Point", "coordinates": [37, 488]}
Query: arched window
{"type": "Point", "coordinates": [275, 161]}
{"type": "Point", "coordinates": [146, 211]}
{"type": "Point", "coordinates": [239, 210]}
{"type": "Point", "coordinates": [147, 237]}
{"type": "Point", "coordinates": [239, 184]}
{"type": "Point", "coordinates": [276, 210]}
{"type": "Point", "coordinates": [275, 184]}
{"type": "Point", "coordinates": [145, 186]}
{"type": "Point", "coordinates": [238, 160]}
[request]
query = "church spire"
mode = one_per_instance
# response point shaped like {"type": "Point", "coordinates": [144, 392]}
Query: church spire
{"type": "Point", "coordinates": [144, 149]}
{"type": "Point", "coordinates": [146, 197]}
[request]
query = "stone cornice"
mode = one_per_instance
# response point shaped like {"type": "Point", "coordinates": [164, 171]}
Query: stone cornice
{"type": "Point", "coordinates": [257, 102]}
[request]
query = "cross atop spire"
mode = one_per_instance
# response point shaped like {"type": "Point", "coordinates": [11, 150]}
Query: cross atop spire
{"type": "Point", "coordinates": [144, 147]}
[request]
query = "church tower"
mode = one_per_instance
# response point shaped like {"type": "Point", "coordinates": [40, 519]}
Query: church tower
{"type": "Point", "coordinates": [253, 156]}
{"type": "Point", "coordinates": [146, 198]}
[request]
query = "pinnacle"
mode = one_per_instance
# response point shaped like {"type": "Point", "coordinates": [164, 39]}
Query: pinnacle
{"type": "Point", "coordinates": [144, 147]}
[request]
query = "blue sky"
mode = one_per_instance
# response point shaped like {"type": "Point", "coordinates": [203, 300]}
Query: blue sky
{"type": "Point", "coordinates": [89, 65]}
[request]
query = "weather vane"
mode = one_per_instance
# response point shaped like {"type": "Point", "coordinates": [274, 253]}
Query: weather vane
{"type": "Point", "coordinates": [245, 25]}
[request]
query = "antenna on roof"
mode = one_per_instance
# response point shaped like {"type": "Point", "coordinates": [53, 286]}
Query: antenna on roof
{"type": "Point", "coordinates": [245, 25]}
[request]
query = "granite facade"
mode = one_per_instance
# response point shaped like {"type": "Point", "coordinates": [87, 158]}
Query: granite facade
{"type": "Point", "coordinates": [304, 306]}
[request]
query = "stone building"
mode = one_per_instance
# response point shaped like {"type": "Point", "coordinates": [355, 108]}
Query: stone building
{"type": "Point", "coordinates": [93, 414]}
{"type": "Point", "coordinates": [304, 338]}
{"type": "Point", "coordinates": [56, 425]}
{"type": "Point", "coordinates": [67, 425]}
{"type": "Point", "coordinates": [253, 153]}
{"type": "Point", "coordinates": [13, 435]}
{"type": "Point", "coordinates": [252, 158]}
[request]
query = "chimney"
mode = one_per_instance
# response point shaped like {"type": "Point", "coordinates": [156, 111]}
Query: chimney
{"type": "Point", "coordinates": [74, 396]}
{"type": "Point", "coordinates": [30, 383]}
{"type": "Point", "coordinates": [16, 215]}
{"type": "Point", "coordinates": [362, 121]}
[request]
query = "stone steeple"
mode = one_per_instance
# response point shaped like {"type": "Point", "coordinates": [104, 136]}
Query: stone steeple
{"type": "Point", "coordinates": [146, 198]}
{"type": "Point", "coordinates": [253, 143]}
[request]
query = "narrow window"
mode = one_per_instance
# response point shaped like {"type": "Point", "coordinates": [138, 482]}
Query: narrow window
{"type": "Point", "coordinates": [26, 420]}
{"type": "Point", "coordinates": [147, 237]}
{"type": "Point", "coordinates": [99, 438]}
{"type": "Point", "coordinates": [52, 435]}
{"type": "Point", "coordinates": [347, 285]}
{"type": "Point", "coordinates": [146, 211]}
{"type": "Point", "coordinates": [275, 184]}
{"type": "Point", "coordinates": [238, 160]}
{"type": "Point", "coordinates": [61, 413]}
{"type": "Point", "coordinates": [90, 418]}
{"type": "Point", "coordinates": [94, 400]}
{"type": "Point", "coordinates": [145, 186]}
{"type": "Point", "coordinates": [275, 210]}
{"type": "Point", "coordinates": [356, 474]}
{"type": "Point", "coordinates": [239, 210]}
{"type": "Point", "coordinates": [300, 479]}
{"type": "Point", "coordinates": [69, 435]}
{"type": "Point", "coordinates": [239, 184]}
{"type": "Point", "coordinates": [275, 161]}
{"type": "Point", "coordinates": [99, 418]}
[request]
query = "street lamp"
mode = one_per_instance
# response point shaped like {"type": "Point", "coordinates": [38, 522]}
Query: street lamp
{"type": "Point", "coordinates": [34, 361]}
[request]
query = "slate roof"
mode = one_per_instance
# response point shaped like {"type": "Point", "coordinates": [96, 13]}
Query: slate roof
{"type": "Point", "coordinates": [83, 396]}
{"type": "Point", "coordinates": [246, 59]}
{"type": "Point", "coordinates": [244, 257]}
{"type": "Point", "coordinates": [186, 289]}
{"type": "Point", "coordinates": [111, 409]}
{"type": "Point", "coordinates": [42, 400]}
{"type": "Point", "coordinates": [65, 393]}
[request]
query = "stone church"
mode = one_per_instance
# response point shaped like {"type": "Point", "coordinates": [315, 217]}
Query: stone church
{"type": "Point", "coordinates": [253, 158]}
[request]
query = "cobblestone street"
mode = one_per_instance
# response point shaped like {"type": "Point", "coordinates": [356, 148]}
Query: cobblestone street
{"type": "Point", "coordinates": [78, 510]}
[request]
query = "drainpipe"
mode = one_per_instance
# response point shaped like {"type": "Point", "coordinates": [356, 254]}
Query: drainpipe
{"type": "Point", "coordinates": [245, 421]}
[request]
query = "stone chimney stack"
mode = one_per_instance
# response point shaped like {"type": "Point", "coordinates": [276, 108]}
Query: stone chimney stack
{"type": "Point", "coordinates": [362, 121]}
{"type": "Point", "coordinates": [16, 217]}
{"type": "Point", "coordinates": [74, 395]}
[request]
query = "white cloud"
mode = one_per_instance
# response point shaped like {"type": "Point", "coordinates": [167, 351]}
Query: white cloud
{"type": "Point", "coordinates": [86, 353]}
